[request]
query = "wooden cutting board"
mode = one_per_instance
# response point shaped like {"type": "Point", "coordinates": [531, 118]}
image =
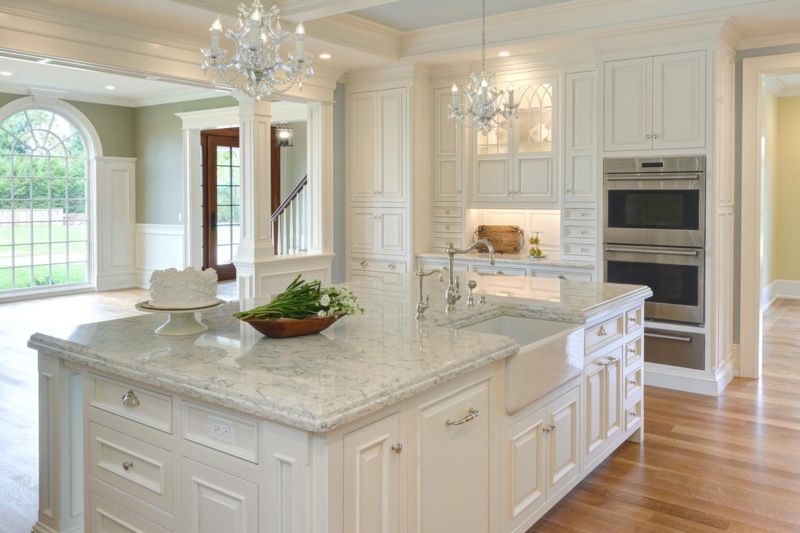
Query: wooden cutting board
{"type": "Point", "coordinates": [505, 239]}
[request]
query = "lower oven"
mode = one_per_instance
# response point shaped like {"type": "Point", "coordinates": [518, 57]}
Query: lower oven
{"type": "Point", "coordinates": [675, 275]}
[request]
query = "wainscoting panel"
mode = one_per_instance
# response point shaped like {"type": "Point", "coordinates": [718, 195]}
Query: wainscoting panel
{"type": "Point", "coordinates": [116, 212]}
{"type": "Point", "coordinates": [158, 246]}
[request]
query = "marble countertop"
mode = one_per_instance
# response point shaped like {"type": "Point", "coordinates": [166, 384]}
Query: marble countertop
{"type": "Point", "coordinates": [516, 259]}
{"type": "Point", "coordinates": [317, 383]}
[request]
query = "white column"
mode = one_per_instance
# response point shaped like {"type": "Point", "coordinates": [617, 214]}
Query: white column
{"type": "Point", "coordinates": [320, 177]}
{"type": "Point", "coordinates": [256, 245]}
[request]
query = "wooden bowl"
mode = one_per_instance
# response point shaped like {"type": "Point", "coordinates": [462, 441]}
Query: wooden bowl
{"type": "Point", "coordinates": [281, 328]}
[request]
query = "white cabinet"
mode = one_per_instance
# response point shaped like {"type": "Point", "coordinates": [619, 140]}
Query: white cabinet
{"type": "Point", "coordinates": [377, 147]}
{"type": "Point", "coordinates": [655, 102]}
{"type": "Point", "coordinates": [453, 489]}
{"type": "Point", "coordinates": [215, 501]}
{"type": "Point", "coordinates": [373, 477]}
{"type": "Point", "coordinates": [515, 163]}
{"type": "Point", "coordinates": [377, 230]}
{"type": "Point", "coordinates": [603, 397]}
{"type": "Point", "coordinates": [580, 169]}
{"type": "Point", "coordinates": [541, 455]}
{"type": "Point", "coordinates": [447, 174]}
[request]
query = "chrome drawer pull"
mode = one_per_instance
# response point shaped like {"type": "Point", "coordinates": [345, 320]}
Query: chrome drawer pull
{"type": "Point", "coordinates": [397, 448]}
{"type": "Point", "coordinates": [632, 319]}
{"type": "Point", "coordinates": [127, 465]}
{"type": "Point", "coordinates": [129, 399]}
{"type": "Point", "coordinates": [548, 428]}
{"type": "Point", "coordinates": [602, 332]}
{"type": "Point", "coordinates": [363, 263]}
{"type": "Point", "coordinates": [392, 266]}
{"type": "Point", "coordinates": [471, 415]}
{"type": "Point", "coordinates": [632, 413]}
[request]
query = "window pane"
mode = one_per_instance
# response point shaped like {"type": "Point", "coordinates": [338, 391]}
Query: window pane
{"type": "Point", "coordinates": [22, 166]}
{"type": "Point", "coordinates": [5, 278]}
{"type": "Point", "coordinates": [76, 209]}
{"type": "Point", "coordinates": [235, 198]}
{"type": "Point", "coordinates": [22, 233]}
{"type": "Point", "coordinates": [22, 277]}
{"type": "Point", "coordinates": [58, 167]}
{"type": "Point", "coordinates": [223, 196]}
{"type": "Point", "coordinates": [5, 189]}
{"type": "Point", "coordinates": [5, 164]}
{"type": "Point", "coordinates": [235, 176]}
{"type": "Point", "coordinates": [236, 215]}
{"type": "Point", "coordinates": [6, 254]}
{"type": "Point", "coordinates": [58, 188]}
{"type": "Point", "coordinates": [41, 166]}
{"type": "Point", "coordinates": [76, 168]}
{"type": "Point", "coordinates": [223, 254]}
{"type": "Point", "coordinates": [58, 252]}
{"type": "Point", "coordinates": [58, 231]}
{"type": "Point", "coordinates": [22, 254]}
{"type": "Point", "coordinates": [223, 215]}
{"type": "Point", "coordinates": [223, 234]}
{"type": "Point", "coordinates": [22, 188]}
{"type": "Point", "coordinates": [77, 231]}
{"type": "Point", "coordinates": [235, 156]}
{"type": "Point", "coordinates": [235, 234]}
{"type": "Point", "coordinates": [41, 276]}
{"type": "Point", "coordinates": [58, 273]}
{"type": "Point", "coordinates": [77, 188]}
{"type": "Point", "coordinates": [5, 233]}
{"type": "Point", "coordinates": [223, 155]}
{"type": "Point", "coordinates": [77, 273]}
{"type": "Point", "coordinates": [41, 254]}
{"type": "Point", "coordinates": [40, 187]}
{"type": "Point", "coordinates": [77, 251]}
{"type": "Point", "coordinates": [223, 175]}
{"type": "Point", "coordinates": [41, 231]}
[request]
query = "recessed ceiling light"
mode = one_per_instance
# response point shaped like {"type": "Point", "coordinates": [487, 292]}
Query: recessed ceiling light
{"type": "Point", "coordinates": [45, 61]}
{"type": "Point", "coordinates": [6, 73]}
{"type": "Point", "coordinates": [504, 53]}
{"type": "Point", "coordinates": [325, 56]}
{"type": "Point", "coordinates": [110, 87]}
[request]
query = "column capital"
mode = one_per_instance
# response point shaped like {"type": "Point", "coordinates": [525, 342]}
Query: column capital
{"type": "Point", "coordinates": [250, 107]}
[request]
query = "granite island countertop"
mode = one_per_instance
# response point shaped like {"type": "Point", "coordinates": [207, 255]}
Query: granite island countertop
{"type": "Point", "coordinates": [320, 382]}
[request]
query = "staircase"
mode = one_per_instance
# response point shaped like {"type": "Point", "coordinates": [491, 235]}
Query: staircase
{"type": "Point", "coordinates": [290, 221]}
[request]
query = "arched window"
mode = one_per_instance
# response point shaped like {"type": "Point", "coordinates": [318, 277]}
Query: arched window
{"type": "Point", "coordinates": [44, 210]}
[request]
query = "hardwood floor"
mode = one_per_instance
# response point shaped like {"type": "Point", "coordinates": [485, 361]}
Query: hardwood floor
{"type": "Point", "coordinates": [708, 464]}
{"type": "Point", "coordinates": [730, 463]}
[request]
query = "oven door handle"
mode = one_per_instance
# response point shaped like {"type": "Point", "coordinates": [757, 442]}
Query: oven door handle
{"type": "Point", "coordinates": [643, 250]}
{"type": "Point", "coordinates": [655, 177]}
{"type": "Point", "coordinates": [680, 338]}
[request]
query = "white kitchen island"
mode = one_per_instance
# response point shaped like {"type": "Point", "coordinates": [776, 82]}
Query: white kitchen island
{"type": "Point", "coordinates": [380, 424]}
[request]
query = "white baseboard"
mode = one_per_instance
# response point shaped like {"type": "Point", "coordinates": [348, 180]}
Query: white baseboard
{"type": "Point", "coordinates": [113, 282]}
{"type": "Point", "coordinates": [780, 288]}
{"type": "Point", "coordinates": [687, 380]}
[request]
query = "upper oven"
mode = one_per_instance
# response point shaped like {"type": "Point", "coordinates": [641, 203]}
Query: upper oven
{"type": "Point", "coordinates": [655, 201]}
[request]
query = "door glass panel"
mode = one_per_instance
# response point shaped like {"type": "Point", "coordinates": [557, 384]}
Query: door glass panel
{"type": "Point", "coordinates": [650, 209]}
{"type": "Point", "coordinates": [228, 202]}
{"type": "Point", "coordinates": [493, 143]}
{"type": "Point", "coordinates": [535, 124]}
{"type": "Point", "coordinates": [671, 284]}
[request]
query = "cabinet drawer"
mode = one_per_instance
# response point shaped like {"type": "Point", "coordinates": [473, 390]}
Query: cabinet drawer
{"type": "Point", "coordinates": [447, 227]}
{"type": "Point", "coordinates": [579, 232]}
{"type": "Point", "coordinates": [106, 516]}
{"type": "Point", "coordinates": [633, 383]}
{"type": "Point", "coordinates": [454, 212]}
{"type": "Point", "coordinates": [500, 270]}
{"type": "Point", "coordinates": [586, 250]}
{"type": "Point", "coordinates": [378, 265]}
{"type": "Point", "coordinates": [633, 320]}
{"type": "Point", "coordinates": [376, 279]}
{"type": "Point", "coordinates": [135, 403]}
{"type": "Point", "coordinates": [633, 414]}
{"type": "Point", "coordinates": [633, 353]}
{"type": "Point", "coordinates": [131, 465]}
{"type": "Point", "coordinates": [602, 334]}
{"type": "Point", "coordinates": [225, 432]}
{"type": "Point", "coordinates": [573, 213]}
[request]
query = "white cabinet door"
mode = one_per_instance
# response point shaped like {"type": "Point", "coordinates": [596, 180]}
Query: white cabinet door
{"type": "Point", "coordinates": [535, 181]}
{"type": "Point", "coordinates": [453, 491]}
{"type": "Point", "coordinates": [491, 181]}
{"type": "Point", "coordinates": [391, 224]}
{"type": "Point", "coordinates": [563, 448]}
{"type": "Point", "coordinates": [525, 449]}
{"type": "Point", "coordinates": [215, 501]}
{"type": "Point", "coordinates": [581, 119]}
{"type": "Point", "coordinates": [594, 410]}
{"type": "Point", "coordinates": [362, 230]}
{"type": "Point", "coordinates": [447, 184]}
{"type": "Point", "coordinates": [613, 393]}
{"type": "Point", "coordinates": [391, 145]}
{"type": "Point", "coordinates": [628, 104]}
{"type": "Point", "coordinates": [373, 473]}
{"type": "Point", "coordinates": [362, 134]}
{"type": "Point", "coordinates": [679, 104]}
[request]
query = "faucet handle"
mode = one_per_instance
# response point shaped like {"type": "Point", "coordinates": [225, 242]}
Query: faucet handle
{"type": "Point", "coordinates": [472, 284]}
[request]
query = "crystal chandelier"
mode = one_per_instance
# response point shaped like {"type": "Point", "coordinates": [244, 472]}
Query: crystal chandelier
{"type": "Point", "coordinates": [485, 106]}
{"type": "Point", "coordinates": [256, 66]}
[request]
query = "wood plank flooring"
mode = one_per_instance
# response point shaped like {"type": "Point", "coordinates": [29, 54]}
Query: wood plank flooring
{"type": "Point", "coordinates": [708, 464]}
{"type": "Point", "coordinates": [730, 463]}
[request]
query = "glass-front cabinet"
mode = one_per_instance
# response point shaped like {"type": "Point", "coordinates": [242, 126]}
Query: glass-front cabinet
{"type": "Point", "coordinates": [515, 162]}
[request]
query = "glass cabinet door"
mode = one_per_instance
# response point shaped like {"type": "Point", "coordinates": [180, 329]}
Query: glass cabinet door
{"type": "Point", "coordinates": [534, 131]}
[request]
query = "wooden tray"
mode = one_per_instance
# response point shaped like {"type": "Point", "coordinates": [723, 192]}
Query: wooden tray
{"type": "Point", "coordinates": [505, 239]}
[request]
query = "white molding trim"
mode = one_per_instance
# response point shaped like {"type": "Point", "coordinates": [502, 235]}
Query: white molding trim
{"type": "Point", "coordinates": [753, 71]}
{"type": "Point", "coordinates": [289, 111]}
{"type": "Point", "coordinates": [220, 117]}
{"type": "Point", "coordinates": [779, 289]}
{"type": "Point", "coordinates": [686, 380]}
{"type": "Point", "coordinates": [158, 246]}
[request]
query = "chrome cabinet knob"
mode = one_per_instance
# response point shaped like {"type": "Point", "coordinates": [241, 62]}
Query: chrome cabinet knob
{"type": "Point", "coordinates": [397, 448]}
{"type": "Point", "coordinates": [561, 276]}
{"type": "Point", "coordinates": [632, 381]}
{"type": "Point", "coordinates": [129, 399]}
{"type": "Point", "coordinates": [602, 332]}
{"type": "Point", "coordinates": [363, 263]}
{"type": "Point", "coordinates": [127, 465]}
{"type": "Point", "coordinates": [392, 266]}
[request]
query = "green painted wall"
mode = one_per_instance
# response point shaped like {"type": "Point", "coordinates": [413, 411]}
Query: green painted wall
{"type": "Point", "coordinates": [158, 141]}
{"type": "Point", "coordinates": [114, 124]}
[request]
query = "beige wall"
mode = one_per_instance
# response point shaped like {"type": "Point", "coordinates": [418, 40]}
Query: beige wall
{"type": "Point", "coordinates": [786, 254]}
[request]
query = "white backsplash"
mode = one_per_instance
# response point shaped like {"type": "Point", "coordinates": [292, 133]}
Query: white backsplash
{"type": "Point", "coordinates": [546, 221]}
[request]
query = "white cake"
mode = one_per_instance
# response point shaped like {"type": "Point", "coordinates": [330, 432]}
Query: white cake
{"type": "Point", "coordinates": [187, 289]}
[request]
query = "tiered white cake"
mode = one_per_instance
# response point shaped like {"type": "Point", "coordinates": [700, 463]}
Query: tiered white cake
{"type": "Point", "coordinates": [187, 289]}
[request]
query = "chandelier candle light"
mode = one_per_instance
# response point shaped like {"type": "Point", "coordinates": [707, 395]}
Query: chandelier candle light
{"type": "Point", "coordinates": [486, 106]}
{"type": "Point", "coordinates": [256, 66]}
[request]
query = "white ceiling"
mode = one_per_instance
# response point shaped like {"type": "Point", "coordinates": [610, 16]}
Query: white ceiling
{"type": "Point", "coordinates": [90, 85]}
{"type": "Point", "coordinates": [784, 84]}
{"type": "Point", "coordinates": [410, 15]}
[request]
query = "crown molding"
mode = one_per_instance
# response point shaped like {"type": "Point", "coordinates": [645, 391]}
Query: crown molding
{"type": "Point", "coordinates": [359, 33]}
{"type": "Point", "coordinates": [768, 40]}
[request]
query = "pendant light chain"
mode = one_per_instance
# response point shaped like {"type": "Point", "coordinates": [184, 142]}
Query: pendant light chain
{"type": "Point", "coordinates": [483, 37]}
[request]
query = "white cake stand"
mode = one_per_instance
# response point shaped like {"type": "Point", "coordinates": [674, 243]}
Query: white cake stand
{"type": "Point", "coordinates": [179, 321]}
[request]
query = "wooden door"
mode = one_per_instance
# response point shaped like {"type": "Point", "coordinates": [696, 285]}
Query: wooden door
{"type": "Point", "coordinates": [222, 209]}
{"type": "Point", "coordinates": [628, 104]}
{"type": "Point", "coordinates": [373, 475]}
{"type": "Point", "coordinates": [679, 100]}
